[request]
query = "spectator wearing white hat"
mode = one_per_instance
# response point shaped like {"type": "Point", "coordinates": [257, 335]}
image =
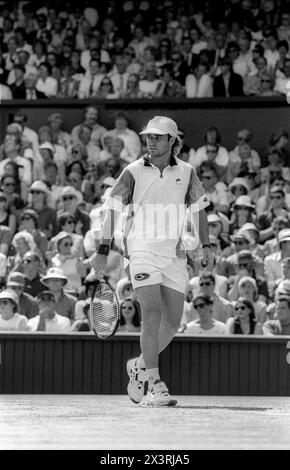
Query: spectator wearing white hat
{"type": "Point", "coordinates": [10, 319]}
{"type": "Point", "coordinates": [238, 187]}
{"type": "Point", "coordinates": [39, 195]}
{"type": "Point", "coordinates": [56, 280]}
{"type": "Point", "coordinates": [273, 263]}
{"type": "Point", "coordinates": [74, 268]}
{"type": "Point", "coordinates": [27, 304]}
{"type": "Point", "coordinates": [243, 211]}
{"type": "Point", "coordinates": [218, 225]}
{"type": "Point", "coordinates": [70, 201]}
{"type": "Point", "coordinates": [48, 319]}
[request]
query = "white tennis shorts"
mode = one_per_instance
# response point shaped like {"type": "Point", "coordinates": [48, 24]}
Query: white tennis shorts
{"type": "Point", "coordinates": [148, 269]}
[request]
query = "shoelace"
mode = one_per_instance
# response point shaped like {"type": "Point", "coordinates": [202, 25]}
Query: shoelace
{"type": "Point", "coordinates": [160, 387]}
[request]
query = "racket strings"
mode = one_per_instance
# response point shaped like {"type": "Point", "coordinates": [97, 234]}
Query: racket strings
{"type": "Point", "coordinates": [104, 312]}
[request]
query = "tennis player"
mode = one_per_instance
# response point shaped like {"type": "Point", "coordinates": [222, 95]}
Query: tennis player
{"type": "Point", "coordinates": [159, 191]}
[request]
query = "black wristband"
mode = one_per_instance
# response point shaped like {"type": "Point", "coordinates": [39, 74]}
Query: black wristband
{"type": "Point", "coordinates": [103, 250]}
{"type": "Point", "coordinates": [206, 245]}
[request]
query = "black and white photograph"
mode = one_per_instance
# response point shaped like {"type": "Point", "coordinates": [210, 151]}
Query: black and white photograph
{"type": "Point", "coordinates": [144, 229]}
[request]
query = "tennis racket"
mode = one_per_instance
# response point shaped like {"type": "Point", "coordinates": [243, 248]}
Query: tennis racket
{"type": "Point", "coordinates": [104, 311]}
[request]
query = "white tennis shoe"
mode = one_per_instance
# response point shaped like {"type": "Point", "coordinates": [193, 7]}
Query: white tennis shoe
{"type": "Point", "coordinates": [158, 395]}
{"type": "Point", "coordinates": [138, 377]}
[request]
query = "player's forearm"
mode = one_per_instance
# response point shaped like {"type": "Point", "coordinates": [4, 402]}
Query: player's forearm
{"type": "Point", "coordinates": [203, 228]}
{"type": "Point", "coordinates": [110, 222]}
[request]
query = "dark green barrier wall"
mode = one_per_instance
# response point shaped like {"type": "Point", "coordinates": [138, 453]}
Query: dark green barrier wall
{"type": "Point", "coordinates": [260, 115]}
{"type": "Point", "coordinates": [80, 364]}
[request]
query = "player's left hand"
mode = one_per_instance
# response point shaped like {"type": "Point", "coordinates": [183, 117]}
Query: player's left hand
{"type": "Point", "coordinates": [207, 259]}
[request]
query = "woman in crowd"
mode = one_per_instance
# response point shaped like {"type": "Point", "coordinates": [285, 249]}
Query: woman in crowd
{"type": "Point", "coordinates": [130, 316]}
{"type": "Point", "coordinates": [242, 212]}
{"type": "Point", "coordinates": [244, 323]}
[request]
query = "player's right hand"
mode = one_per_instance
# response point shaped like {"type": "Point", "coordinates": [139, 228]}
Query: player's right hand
{"type": "Point", "coordinates": [99, 264]}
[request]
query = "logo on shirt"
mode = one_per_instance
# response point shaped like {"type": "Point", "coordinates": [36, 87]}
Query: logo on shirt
{"type": "Point", "coordinates": [205, 199]}
{"type": "Point", "coordinates": [178, 181]}
{"type": "Point", "coordinates": [141, 276]}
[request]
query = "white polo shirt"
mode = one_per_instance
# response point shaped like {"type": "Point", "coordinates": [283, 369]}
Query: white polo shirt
{"type": "Point", "coordinates": [156, 204]}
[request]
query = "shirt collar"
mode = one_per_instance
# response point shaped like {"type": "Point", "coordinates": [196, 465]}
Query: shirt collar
{"type": "Point", "coordinates": [146, 160]}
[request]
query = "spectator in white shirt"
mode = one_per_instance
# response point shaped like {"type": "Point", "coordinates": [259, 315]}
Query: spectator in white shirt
{"type": "Point", "coordinates": [48, 319]}
{"type": "Point", "coordinates": [271, 53]}
{"type": "Point", "coordinates": [46, 84]}
{"type": "Point", "coordinates": [131, 140]}
{"type": "Point", "coordinates": [200, 84]}
{"type": "Point", "coordinates": [10, 319]}
{"type": "Point", "coordinates": [149, 85]}
{"type": "Point", "coordinates": [120, 75]}
{"type": "Point", "coordinates": [140, 42]}
{"type": "Point", "coordinates": [282, 82]}
{"type": "Point", "coordinates": [212, 136]}
{"type": "Point", "coordinates": [5, 93]}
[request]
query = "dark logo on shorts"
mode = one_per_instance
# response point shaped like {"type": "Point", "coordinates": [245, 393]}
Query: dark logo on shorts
{"type": "Point", "coordinates": [178, 181]}
{"type": "Point", "coordinates": [141, 276]}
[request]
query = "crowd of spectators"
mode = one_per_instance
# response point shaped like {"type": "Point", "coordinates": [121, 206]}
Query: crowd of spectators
{"type": "Point", "coordinates": [53, 184]}
{"type": "Point", "coordinates": [144, 49]}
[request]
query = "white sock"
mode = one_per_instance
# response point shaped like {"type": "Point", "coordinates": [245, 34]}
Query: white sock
{"type": "Point", "coordinates": [142, 363]}
{"type": "Point", "coordinates": [153, 375]}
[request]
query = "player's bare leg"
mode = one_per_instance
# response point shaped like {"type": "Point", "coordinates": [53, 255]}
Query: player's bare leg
{"type": "Point", "coordinates": [154, 301]}
{"type": "Point", "coordinates": [172, 301]}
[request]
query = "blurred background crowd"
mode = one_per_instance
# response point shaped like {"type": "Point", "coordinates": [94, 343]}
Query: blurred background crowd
{"type": "Point", "coordinates": [55, 179]}
{"type": "Point", "coordinates": [140, 49]}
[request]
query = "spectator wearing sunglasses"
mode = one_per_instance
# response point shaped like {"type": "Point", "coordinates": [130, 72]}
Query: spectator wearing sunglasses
{"type": "Point", "coordinates": [212, 137]}
{"type": "Point", "coordinates": [243, 211]}
{"type": "Point", "coordinates": [215, 190]}
{"type": "Point", "coordinates": [130, 317]}
{"type": "Point", "coordinates": [72, 266]}
{"type": "Point", "coordinates": [251, 266]}
{"type": "Point", "coordinates": [277, 207]}
{"type": "Point", "coordinates": [242, 154]}
{"type": "Point", "coordinates": [205, 324]}
{"type": "Point", "coordinates": [247, 287]}
{"type": "Point", "coordinates": [106, 90]}
{"type": "Point", "coordinates": [70, 201]}
{"type": "Point", "coordinates": [67, 223]}
{"type": "Point", "coordinates": [33, 270]}
{"type": "Point", "coordinates": [244, 322]}
{"type": "Point", "coordinates": [210, 285]}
